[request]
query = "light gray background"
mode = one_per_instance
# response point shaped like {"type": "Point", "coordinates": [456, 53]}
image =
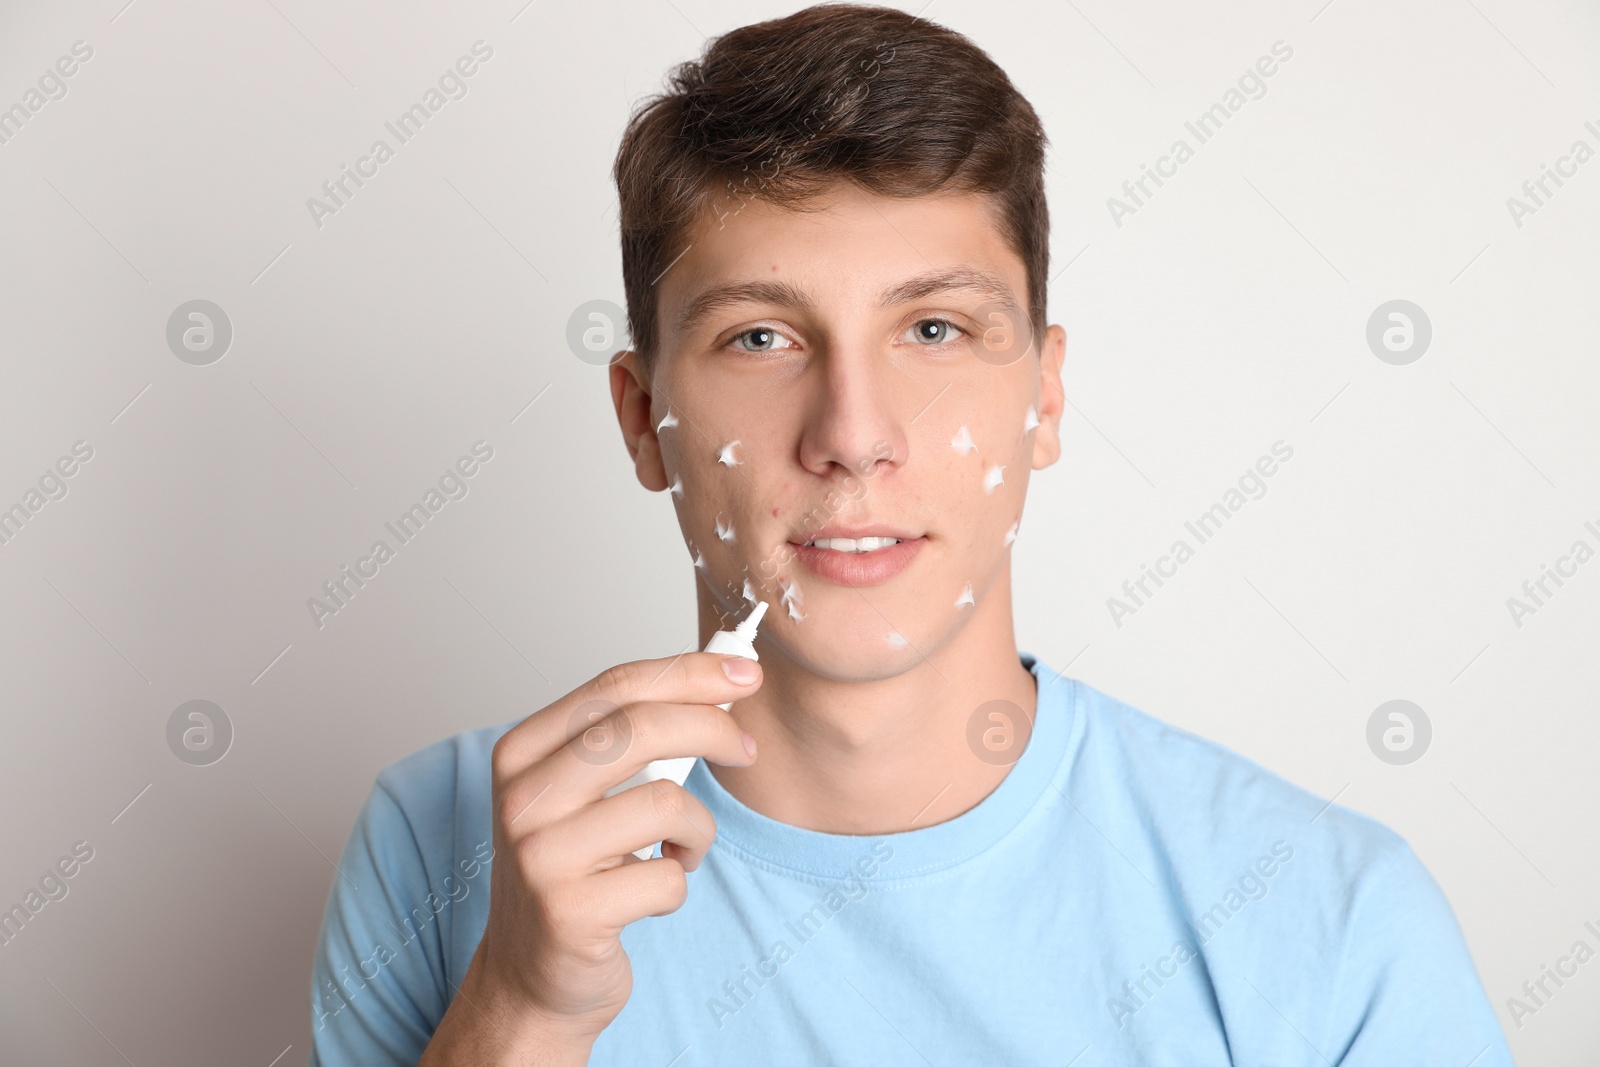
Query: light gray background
{"type": "Point", "coordinates": [368, 354]}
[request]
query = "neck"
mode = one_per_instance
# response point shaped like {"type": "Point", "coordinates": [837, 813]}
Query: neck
{"type": "Point", "coordinates": [881, 755]}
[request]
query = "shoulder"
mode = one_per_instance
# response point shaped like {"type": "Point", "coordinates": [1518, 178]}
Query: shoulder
{"type": "Point", "coordinates": [425, 814]}
{"type": "Point", "coordinates": [1277, 883]}
{"type": "Point", "coordinates": [432, 784]}
{"type": "Point", "coordinates": [426, 822]}
{"type": "Point", "coordinates": [1191, 789]}
{"type": "Point", "coordinates": [402, 917]}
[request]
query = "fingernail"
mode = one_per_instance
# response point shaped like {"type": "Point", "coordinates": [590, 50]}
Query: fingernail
{"type": "Point", "coordinates": [741, 670]}
{"type": "Point", "coordinates": [749, 742]}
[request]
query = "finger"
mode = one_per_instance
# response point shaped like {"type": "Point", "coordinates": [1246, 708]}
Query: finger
{"type": "Point", "coordinates": [689, 678]}
{"type": "Point", "coordinates": [618, 746]}
{"type": "Point", "coordinates": [610, 753]}
{"type": "Point", "coordinates": [628, 893]}
{"type": "Point", "coordinates": [594, 837]}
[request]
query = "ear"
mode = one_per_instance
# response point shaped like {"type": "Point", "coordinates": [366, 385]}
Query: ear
{"type": "Point", "coordinates": [1052, 398]}
{"type": "Point", "coordinates": [630, 395]}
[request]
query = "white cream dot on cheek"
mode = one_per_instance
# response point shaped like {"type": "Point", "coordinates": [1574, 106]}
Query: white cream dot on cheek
{"type": "Point", "coordinates": [725, 455]}
{"type": "Point", "coordinates": [992, 478]}
{"type": "Point", "coordinates": [699, 560]}
{"type": "Point", "coordinates": [724, 532]}
{"type": "Point", "coordinates": [677, 485]}
{"type": "Point", "coordinates": [749, 593]}
{"type": "Point", "coordinates": [669, 419]}
{"type": "Point", "coordinates": [895, 639]}
{"type": "Point", "coordinates": [962, 442]}
{"type": "Point", "coordinates": [965, 598]}
{"type": "Point", "coordinates": [1011, 534]}
{"type": "Point", "coordinates": [1030, 420]}
{"type": "Point", "coordinates": [791, 597]}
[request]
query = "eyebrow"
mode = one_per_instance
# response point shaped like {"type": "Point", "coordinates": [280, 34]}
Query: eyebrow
{"type": "Point", "coordinates": [785, 294]}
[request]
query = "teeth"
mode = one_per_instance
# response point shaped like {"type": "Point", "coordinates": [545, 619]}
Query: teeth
{"type": "Point", "coordinates": [854, 544]}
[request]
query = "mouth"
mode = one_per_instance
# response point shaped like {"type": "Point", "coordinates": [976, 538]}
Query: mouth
{"type": "Point", "coordinates": [855, 546]}
{"type": "Point", "coordinates": [860, 556]}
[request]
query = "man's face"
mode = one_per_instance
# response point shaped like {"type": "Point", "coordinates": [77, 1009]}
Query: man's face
{"type": "Point", "coordinates": [863, 367]}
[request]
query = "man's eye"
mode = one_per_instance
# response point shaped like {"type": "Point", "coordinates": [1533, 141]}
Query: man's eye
{"type": "Point", "coordinates": [934, 331]}
{"type": "Point", "coordinates": [760, 339]}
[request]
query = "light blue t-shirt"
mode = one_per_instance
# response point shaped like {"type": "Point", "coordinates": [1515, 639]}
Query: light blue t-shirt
{"type": "Point", "coordinates": [1129, 894]}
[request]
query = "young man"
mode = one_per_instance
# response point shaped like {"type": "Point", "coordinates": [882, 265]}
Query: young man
{"type": "Point", "coordinates": [834, 241]}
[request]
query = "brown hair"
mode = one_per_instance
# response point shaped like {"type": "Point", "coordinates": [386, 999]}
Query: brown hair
{"type": "Point", "coordinates": [777, 110]}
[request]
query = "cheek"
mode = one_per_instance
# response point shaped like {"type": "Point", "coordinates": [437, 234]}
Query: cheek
{"type": "Point", "coordinates": [713, 491]}
{"type": "Point", "coordinates": [983, 460]}
{"type": "Point", "coordinates": [982, 465]}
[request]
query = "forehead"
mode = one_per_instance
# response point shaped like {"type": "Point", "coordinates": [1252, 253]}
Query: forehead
{"type": "Point", "coordinates": [843, 246]}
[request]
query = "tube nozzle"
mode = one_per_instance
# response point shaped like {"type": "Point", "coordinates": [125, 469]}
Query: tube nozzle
{"type": "Point", "coordinates": [747, 628]}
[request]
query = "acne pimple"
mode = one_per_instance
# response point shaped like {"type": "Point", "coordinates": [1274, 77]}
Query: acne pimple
{"type": "Point", "coordinates": [725, 454]}
{"type": "Point", "coordinates": [992, 478]}
{"type": "Point", "coordinates": [962, 442]}
{"type": "Point", "coordinates": [669, 419]}
{"type": "Point", "coordinates": [724, 532]}
{"type": "Point", "coordinates": [966, 596]}
{"type": "Point", "coordinates": [1030, 420]}
{"type": "Point", "coordinates": [1011, 534]}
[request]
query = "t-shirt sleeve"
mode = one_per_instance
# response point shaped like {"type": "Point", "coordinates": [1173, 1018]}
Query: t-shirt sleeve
{"type": "Point", "coordinates": [1408, 990]}
{"type": "Point", "coordinates": [375, 986]}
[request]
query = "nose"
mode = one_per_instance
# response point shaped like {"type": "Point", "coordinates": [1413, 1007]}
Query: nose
{"type": "Point", "coordinates": [854, 421]}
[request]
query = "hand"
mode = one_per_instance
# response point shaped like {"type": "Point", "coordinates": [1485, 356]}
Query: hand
{"type": "Point", "coordinates": [564, 881]}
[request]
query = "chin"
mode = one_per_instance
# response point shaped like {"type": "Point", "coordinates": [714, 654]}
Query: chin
{"type": "Point", "coordinates": [859, 650]}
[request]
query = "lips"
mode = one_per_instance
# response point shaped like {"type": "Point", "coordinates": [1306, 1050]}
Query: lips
{"type": "Point", "coordinates": [859, 568]}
